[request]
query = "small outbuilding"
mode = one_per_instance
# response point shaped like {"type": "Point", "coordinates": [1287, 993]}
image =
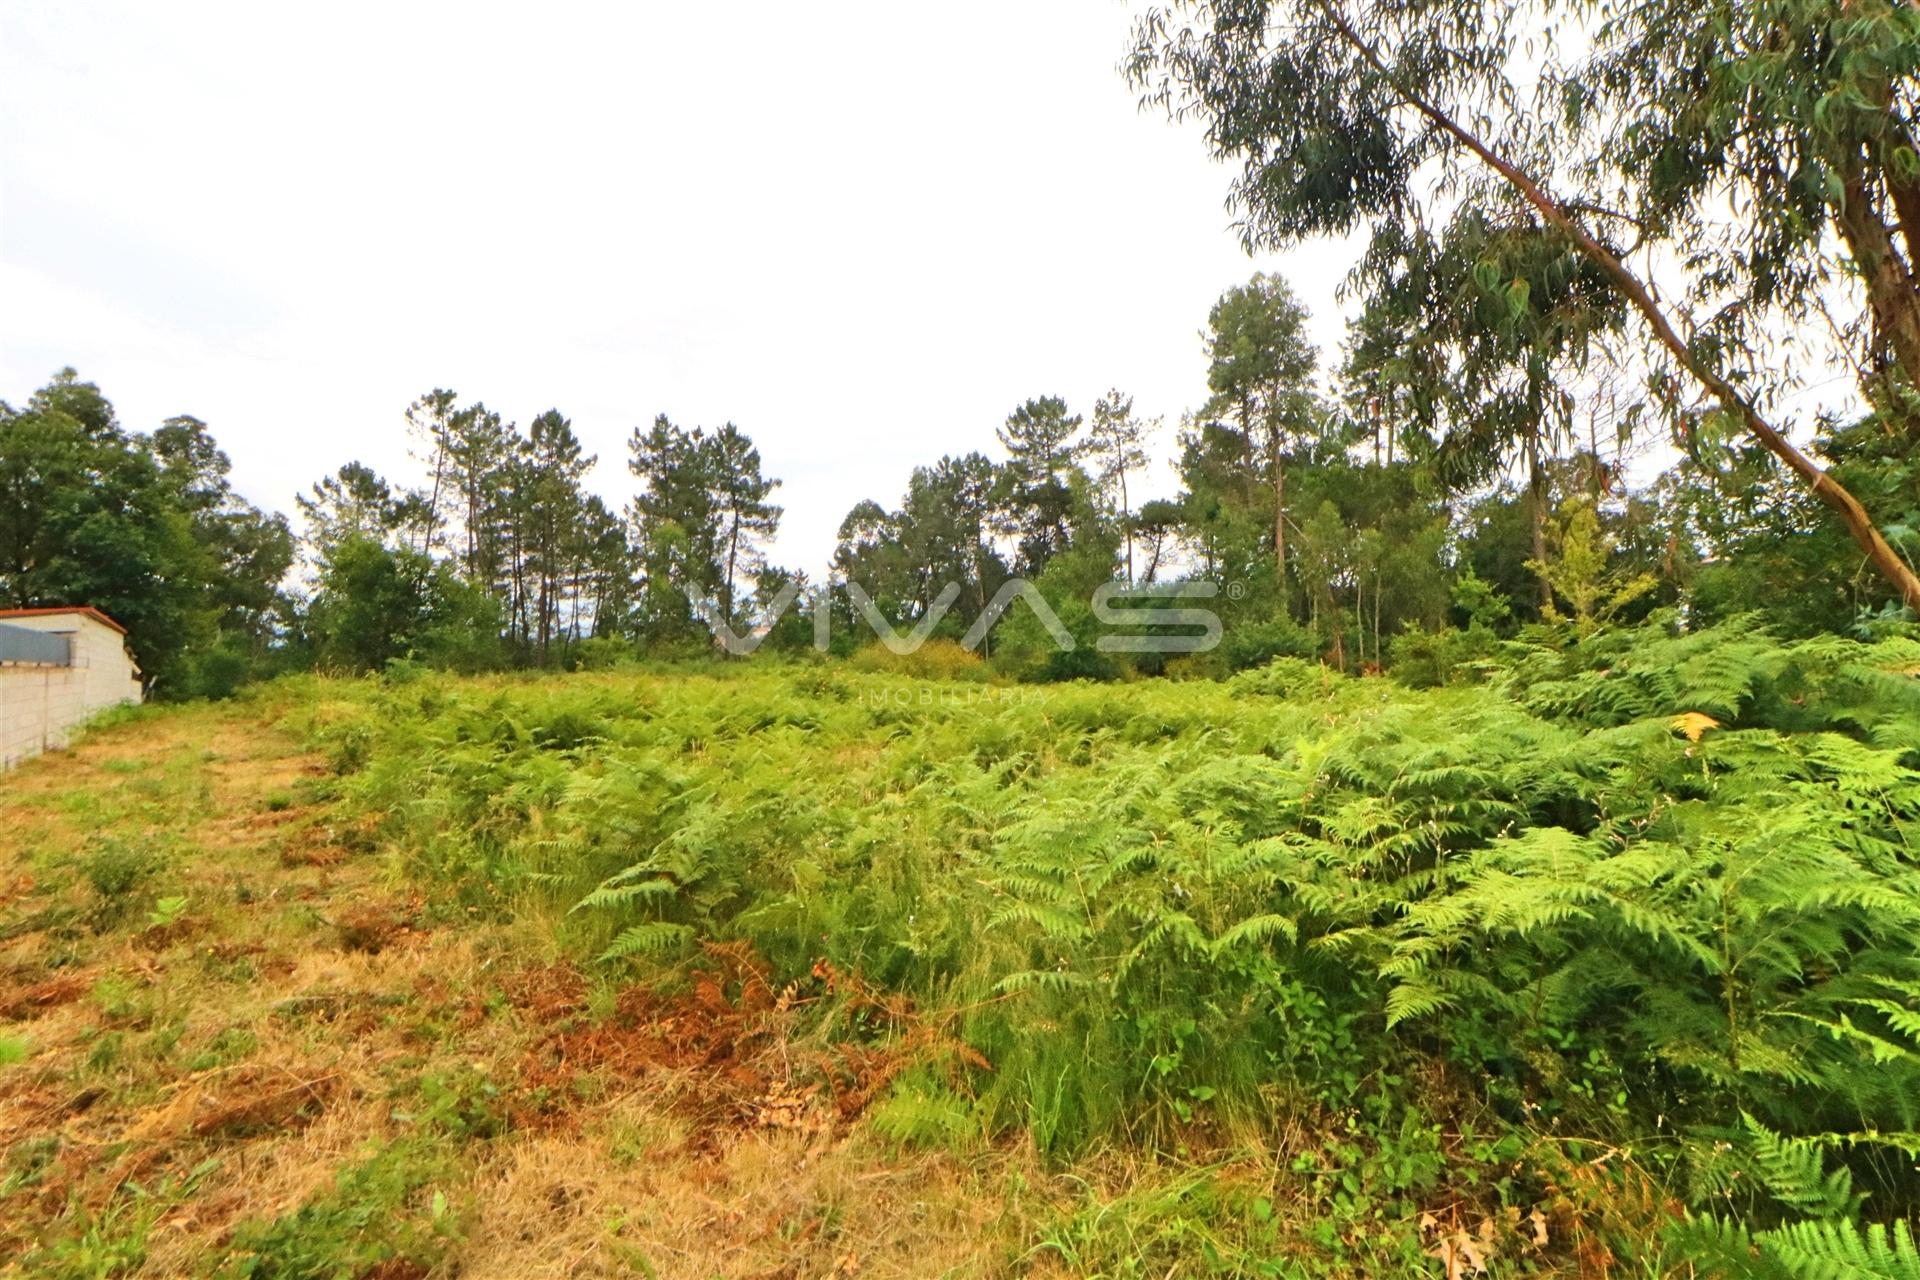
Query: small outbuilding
{"type": "Point", "coordinates": [58, 666]}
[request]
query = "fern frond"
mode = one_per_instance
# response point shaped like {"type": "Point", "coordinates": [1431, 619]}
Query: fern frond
{"type": "Point", "coordinates": [1053, 923]}
{"type": "Point", "coordinates": [1794, 1172]}
{"type": "Point", "coordinates": [1411, 1000]}
{"type": "Point", "coordinates": [1041, 980]}
{"type": "Point", "coordinates": [1259, 928]}
{"type": "Point", "coordinates": [1823, 1250]}
{"type": "Point", "coordinates": [656, 937]}
{"type": "Point", "coordinates": [613, 895]}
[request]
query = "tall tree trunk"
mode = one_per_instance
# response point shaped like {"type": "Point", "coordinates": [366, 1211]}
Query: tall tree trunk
{"type": "Point", "coordinates": [1537, 512]}
{"type": "Point", "coordinates": [1279, 517]}
{"type": "Point", "coordinates": [519, 589]}
{"type": "Point", "coordinates": [545, 607]}
{"type": "Point", "coordinates": [1891, 294]}
{"type": "Point", "coordinates": [1360, 617]}
{"type": "Point", "coordinates": [576, 596]}
{"type": "Point", "coordinates": [726, 585]}
{"type": "Point", "coordinates": [1378, 591]}
{"type": "Point", "coordinates": [980, 594]}
{"type": "Point", "coordinates": [433, 503]}
{"type": "Point", "coordinates": [1126, 521]}
{"type": "Point", "coordinates": [1594, 487]}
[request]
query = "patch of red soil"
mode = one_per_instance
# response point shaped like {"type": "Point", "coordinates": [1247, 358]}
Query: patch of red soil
{"type": "Point", "coordinates": [397, 1269]}
{"type": "Point", "coordinates": [312, 854]}
{"type": "Point", "coordinates": [373, 927]}
{"type": "Point", "coordinates": [257, 1101]}
{"type": "Point", "coordinates": [251, 1101]}
{"type": "Point", "coordinates": [20, 887]}
{"type": "Point", "coordinates": [547, 995]}
{"type": "Point", "coordinates": [32, 1000]}
{"type": "Point", "coordinates": [722, 1053]}
{"type": "Point", "coordinates": [159, 937]}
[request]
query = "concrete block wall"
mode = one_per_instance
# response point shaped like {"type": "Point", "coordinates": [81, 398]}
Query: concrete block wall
{"type": "Point", "coordinates": [39, 707]}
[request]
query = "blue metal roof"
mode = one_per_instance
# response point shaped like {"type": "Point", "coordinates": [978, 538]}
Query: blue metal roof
{"type": "Point", "coordinates": [40, 648]}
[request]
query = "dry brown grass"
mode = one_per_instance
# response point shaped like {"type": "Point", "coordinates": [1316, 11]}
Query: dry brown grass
{"type": "Point", "coordinates": [262, 1041]}
{"type": "Point", "coordinates": [767, 1202]}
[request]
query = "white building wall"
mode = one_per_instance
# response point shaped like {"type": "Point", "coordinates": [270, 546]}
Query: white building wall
{"type": "Point", "coordinates": [41, 706]}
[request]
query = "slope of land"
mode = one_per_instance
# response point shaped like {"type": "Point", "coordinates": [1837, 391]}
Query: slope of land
{"type": "Point", "coordinates": [306, 1069]}
{"type": "Point", "coordinates": [797, 972]}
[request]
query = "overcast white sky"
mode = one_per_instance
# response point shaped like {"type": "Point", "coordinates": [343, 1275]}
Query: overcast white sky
{"type": "Point", "coordinates": [862, 231]}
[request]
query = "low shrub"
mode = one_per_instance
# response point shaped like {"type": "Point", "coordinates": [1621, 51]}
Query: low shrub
{"type": "Point", "coordinates": [937, 659]}
{"type": "Point", "coordinates": [115, 869]}
{"type": "Point", "coordinates": [1255, 644]}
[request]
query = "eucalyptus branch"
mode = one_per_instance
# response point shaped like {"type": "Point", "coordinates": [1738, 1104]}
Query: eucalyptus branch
{"type": "Point", "coordinates": [1853, 515]}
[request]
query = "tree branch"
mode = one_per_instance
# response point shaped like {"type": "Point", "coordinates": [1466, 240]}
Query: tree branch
{"type": "Point", "coordinates": [1853, 515]}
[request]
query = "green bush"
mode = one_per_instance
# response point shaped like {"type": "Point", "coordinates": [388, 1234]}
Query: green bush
{"type": "Point", "coordinates": [1429, 659]}
{"type": "Point", "coordinates": [605, 653]}
{"type": "Point", "coordinates": [376, 1215]}
{"type": "Point", "coordinates": [115, 869]}
{"type": "Point", "coordinates": [937, 659]}
{"type": "Point", "coordinates": [1255, 644]}
{"type": "Point", "coordinates": [217, 672]}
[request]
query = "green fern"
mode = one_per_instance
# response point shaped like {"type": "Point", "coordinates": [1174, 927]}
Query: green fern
{"type": "Point", "coordinates": [1794, 1172]}
{"type": "Point", "coordinates": [651, 939]}
{"type": "Point", "coordinates": [1161, 906]}
{"type": "Point", "coordinates": [1812, 1250]}
{"type": "Point", "coordinates": [925, 1115]}
{"type": "Point", "coordinates": [1845, 1251]}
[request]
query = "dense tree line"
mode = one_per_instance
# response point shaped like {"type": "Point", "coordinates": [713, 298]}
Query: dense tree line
{"type": "Point", "coordinates": [1435, 489]}
{"type": "Point", "coordinates": [498, 557]}
{"type": "Point", "coordinates": [144, 526]}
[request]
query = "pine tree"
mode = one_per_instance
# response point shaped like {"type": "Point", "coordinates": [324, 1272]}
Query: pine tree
{"type": "Point", "coordinates": [1261, 374]}
{"type": "Point", "coordinates": [552, 509]}
{"type": "Point", "coordinates": [1036, 494]}
{"type": "Point", "coordinates": [739, 500]}
{"type": "Point", "coordinates": [1116, 440]}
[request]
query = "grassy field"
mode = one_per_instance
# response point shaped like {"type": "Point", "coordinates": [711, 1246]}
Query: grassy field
{"type": "Point", "coordinates": [253, 1046]}
{"type": "Point", "coordinates": [807, 972]}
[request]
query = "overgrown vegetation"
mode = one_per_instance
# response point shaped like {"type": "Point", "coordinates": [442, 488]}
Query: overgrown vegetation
{"type": "Point", "coordinates": [1517, 880]}
{"type": "Point", "coordinates": [1641, 903]}
{"type": "Point", "coordinates": [1598, 960]}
